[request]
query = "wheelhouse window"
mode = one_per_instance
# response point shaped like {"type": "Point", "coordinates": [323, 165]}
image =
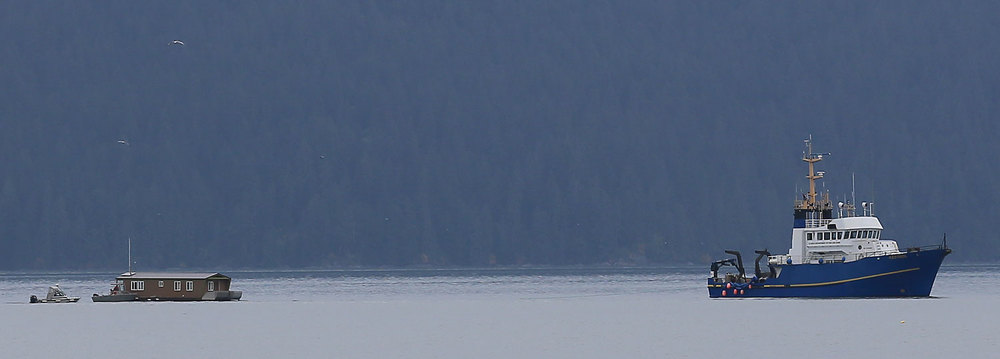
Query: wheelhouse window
{"type": "Point", "coordinates": [137, 285]}
{"type": "Point", "coordinates": [854, 234]}
{"type": "Point", "coordinates": [840, 235]}
{"type": "Point", "coordinates": [878, 234]}
{"type": "Point", "coordinates": [809, 236]}
{"type": "Point", "coordinates": [190, 286]}
{"type": "Point", "coordinates": [826, 235]}
{"type": "Point", "coordinates": [177, 286]}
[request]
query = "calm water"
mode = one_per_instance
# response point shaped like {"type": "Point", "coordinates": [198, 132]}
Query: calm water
{"type": "Point", "coordinates": [530, 313]}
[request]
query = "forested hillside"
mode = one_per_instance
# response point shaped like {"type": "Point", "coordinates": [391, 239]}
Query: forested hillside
{"type": "Point", "coordinates": [456, 133]}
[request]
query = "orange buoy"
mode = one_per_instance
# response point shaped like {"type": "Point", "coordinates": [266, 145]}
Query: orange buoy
{"type": "Point", "coordinates": [729, 285]}
{"type": "Point", "coordinates": [741, 292]}
{"type": "Point", "coordinates": [723, 293]}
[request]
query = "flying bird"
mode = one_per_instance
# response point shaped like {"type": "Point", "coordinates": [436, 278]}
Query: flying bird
{"type": "Point", "coordinates": [177, 42]}
{"type": "Point", "coordinates": [123, 141]}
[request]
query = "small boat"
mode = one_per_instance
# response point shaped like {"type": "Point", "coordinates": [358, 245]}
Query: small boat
{"type": "Point", "coordinates": [117, 294]}
{"type": "Point", "coordinates": [55, 295]}
{"type": "Point", "coordinates": [832, 257]}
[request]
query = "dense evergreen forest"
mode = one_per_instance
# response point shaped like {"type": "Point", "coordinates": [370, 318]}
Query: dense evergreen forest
{"type": "Point", "coordinates": [476, 133]}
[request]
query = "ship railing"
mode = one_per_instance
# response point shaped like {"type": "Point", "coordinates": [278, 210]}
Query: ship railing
{"type": "Point", "coordinates": [815, 223]}
{"type": "Point", "coordinates": [858, 256]}
{"type": "Point", "coordinates": [876, 254]}
{"type": "Point", "coordinates": [831, 258]}
{"type": "Point", "coordinates": [783, 258]}
{"type": "Point", "coordinates": [923, 248]}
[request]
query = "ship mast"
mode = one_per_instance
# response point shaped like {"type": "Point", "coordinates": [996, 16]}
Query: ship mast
{"type": "Point", "coordinates": [811, 159]}
{"type": "Point", "coordinates": [813, 202]}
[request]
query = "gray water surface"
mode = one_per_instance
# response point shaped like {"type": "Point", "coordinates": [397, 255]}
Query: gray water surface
{"type": "Point", "coordinates": [508, 313]}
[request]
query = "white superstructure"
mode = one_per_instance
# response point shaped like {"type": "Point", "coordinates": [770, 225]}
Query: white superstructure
{"type": "Point", "coordinates": [819, 238]}
{"type": "Point", "coordinates": [837, 240]}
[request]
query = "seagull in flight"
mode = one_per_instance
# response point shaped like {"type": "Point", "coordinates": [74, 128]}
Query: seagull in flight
{"type": "Point", "coordinates": [123, 141]}
{"type": "Point", "coordinates": [177, 42]}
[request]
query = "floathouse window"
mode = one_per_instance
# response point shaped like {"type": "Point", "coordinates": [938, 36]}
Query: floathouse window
{"type": "Point", "coordinates": [137, 285]}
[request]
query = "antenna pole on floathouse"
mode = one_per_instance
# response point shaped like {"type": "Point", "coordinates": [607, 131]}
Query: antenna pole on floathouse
{"type": "Point", "coordinates": [130, 272]}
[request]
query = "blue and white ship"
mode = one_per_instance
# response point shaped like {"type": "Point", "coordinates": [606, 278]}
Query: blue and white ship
{"type": "Point", "coordinates": [832, 257]}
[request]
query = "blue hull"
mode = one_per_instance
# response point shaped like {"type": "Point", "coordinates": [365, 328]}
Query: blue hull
{"type": "Point", "coordinates": [908, 274]}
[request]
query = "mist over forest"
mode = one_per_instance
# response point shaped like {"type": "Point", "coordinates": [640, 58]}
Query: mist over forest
{"type": "Point", "coordinates": [321, 134]}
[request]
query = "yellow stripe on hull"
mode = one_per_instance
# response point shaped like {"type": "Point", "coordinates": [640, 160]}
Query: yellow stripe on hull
{"type": "Point", "coordinates": [828, 283]}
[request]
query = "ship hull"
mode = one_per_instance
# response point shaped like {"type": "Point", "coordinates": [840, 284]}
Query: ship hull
{"type": "Point", "coordinates": [909, 274]}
